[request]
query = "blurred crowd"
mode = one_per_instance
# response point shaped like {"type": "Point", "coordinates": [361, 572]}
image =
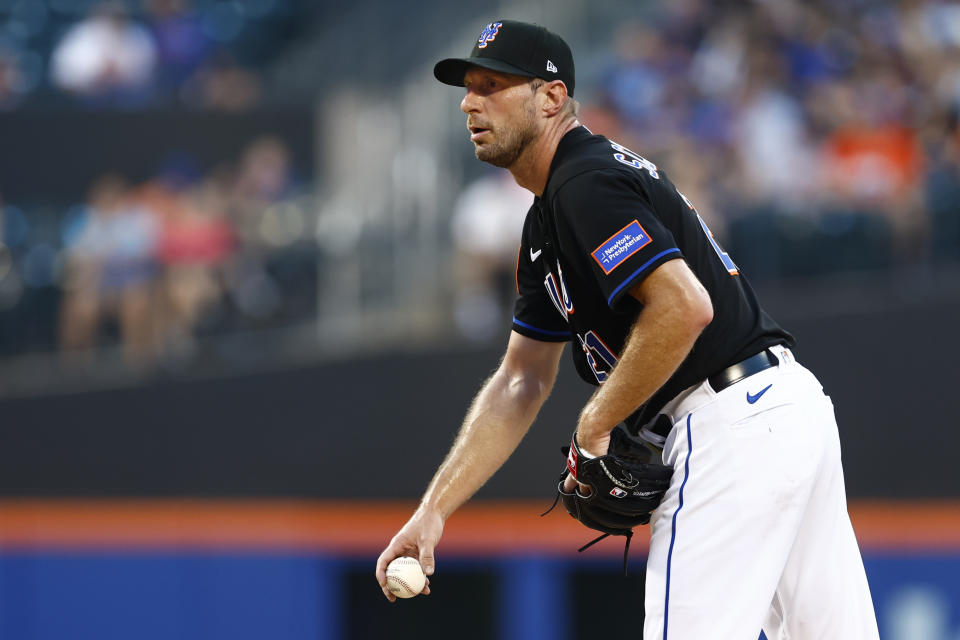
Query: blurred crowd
{"type": "Point", "coordinates": [132, 53]}
{"type": "Point", "coordinates": [811, 135]}
{"type": "Point", "coordinates": [150, 266]}
{"type": "Point", "coordinates": [814, 137]}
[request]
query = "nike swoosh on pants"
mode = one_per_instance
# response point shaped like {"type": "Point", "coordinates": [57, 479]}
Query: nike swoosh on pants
{"type": "Point", "coordinates": [753, 398]}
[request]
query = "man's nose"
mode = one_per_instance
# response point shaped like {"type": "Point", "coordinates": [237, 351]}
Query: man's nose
{"type": "Point", "coordinates": [470, 102]}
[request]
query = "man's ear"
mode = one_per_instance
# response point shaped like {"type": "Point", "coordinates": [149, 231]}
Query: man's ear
{"type": "Point", "coordinates": [555, 96]}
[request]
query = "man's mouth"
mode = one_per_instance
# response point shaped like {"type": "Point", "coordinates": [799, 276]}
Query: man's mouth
{"type": "Point", "coordinates": [476, 132]}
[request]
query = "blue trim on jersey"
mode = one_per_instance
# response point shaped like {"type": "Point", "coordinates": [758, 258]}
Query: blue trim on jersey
{"type": "Point", "coordinates": [543, 331]}
{"type": "Point", "coordinates": [637, 272]}
{"type": "Point", "coordinates": [673, 533]}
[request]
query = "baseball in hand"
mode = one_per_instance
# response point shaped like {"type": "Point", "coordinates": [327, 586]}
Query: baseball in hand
{"type": "Point", "coordinates": [405, 578]}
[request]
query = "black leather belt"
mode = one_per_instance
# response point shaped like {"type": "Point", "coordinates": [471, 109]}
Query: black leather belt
{"type": "Point", "coordinates": [743, 369]}
{"type": "Point", "coordinates": [657, 432]}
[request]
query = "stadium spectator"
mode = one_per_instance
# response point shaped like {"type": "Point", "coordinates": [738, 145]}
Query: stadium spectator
{"type": "Point", "coordinates": [10, 81]}
{"type": "Point", "coordinates": [872, 160]}
{"type": "Point", "coordinates": [182, 44]}
{"type": "Point", "coordinates": [487, 219]}
{"type": "Point", "coordinates": [265, 173]}
{"type": "Point", "coordinates": [264, 178]}
{"type": "Point", "coordinates": [195, 242]}
{"type": "Point", "coordinates": [106, 57]}
{"type": "Point", "coordinates": [221, 83]}
{"type": "Point", "coordinates": [111, 274]}
{"type": "Point", "coordinates": [770, 139]}
{"type": "Point", "coordinates": [636, 84]}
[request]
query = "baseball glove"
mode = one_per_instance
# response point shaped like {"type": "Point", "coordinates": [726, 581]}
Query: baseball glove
{"type": "Point", "coordinates": [625, 487]}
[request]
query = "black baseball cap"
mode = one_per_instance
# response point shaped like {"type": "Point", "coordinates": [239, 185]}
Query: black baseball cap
{"type": "Point", "coordinates": [519, 48]}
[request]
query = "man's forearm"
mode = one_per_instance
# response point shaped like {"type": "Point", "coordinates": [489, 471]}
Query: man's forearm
{"type": "Point", "coordinates": [498, 419]}
{"type": "Point", "coordinates": [647, 362]}
{"type": "Point", "coordinates": [661, 338]}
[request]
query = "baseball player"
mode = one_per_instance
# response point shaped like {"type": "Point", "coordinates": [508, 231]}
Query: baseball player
{"type": "Point", "coordinates": [752, 531]}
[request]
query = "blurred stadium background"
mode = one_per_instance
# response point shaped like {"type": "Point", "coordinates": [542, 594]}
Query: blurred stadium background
{"type": "Point", "coordinates": [248, 264]}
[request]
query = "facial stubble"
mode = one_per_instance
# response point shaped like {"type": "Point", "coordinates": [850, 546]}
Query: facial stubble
{"type": "Point", "coordinates": [510, 139]}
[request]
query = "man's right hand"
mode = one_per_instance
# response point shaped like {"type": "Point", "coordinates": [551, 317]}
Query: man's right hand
{"type": "Point", "coordinates": [416, 539]}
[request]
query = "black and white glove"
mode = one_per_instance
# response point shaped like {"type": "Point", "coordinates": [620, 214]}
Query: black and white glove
{"type": "Point", "coordinates": [625, 487]}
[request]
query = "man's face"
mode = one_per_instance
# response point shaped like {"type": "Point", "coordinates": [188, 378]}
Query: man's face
{"type": "Point", "coordinates": [501, 115]}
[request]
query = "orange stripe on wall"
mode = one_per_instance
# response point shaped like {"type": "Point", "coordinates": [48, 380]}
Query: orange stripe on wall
{"type": "Point", "coordinates": [918, 526]}
{"type": "Point", "coordinates": [479, 528]}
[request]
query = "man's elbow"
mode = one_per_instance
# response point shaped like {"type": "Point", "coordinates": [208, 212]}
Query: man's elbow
{"type": "Point", "coordinates": [694, 311]}
{"type": "Point", "coordinates": [701, 312]}
{"type": "Point", "coordinates": [530, 389]}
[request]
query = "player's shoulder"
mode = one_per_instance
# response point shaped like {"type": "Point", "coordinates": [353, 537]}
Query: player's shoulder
{"type": "Point", "coordinates": [579, 152]}
{"type": "Point", "coordinates": [586, 162]}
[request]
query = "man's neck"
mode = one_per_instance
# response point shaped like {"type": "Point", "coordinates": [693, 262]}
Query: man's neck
{"type": "Point", "coordinates": [532, 168]}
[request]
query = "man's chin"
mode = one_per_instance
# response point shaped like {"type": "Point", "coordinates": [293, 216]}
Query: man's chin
{"type": "Point", "coordinates": [491, 156]}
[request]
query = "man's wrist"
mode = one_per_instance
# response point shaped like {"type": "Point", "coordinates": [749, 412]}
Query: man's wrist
{"type": "Point", "coordinates": [591, 437]}
{"type": "Point", "coordinates": [582, 451]}
{"type": "Point", "coordinates": [428, 508]}
{"type": "Point", "coordinates": [576, 456]}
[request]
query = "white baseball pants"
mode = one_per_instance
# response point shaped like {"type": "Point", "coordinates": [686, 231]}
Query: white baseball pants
{"type": "Point", "coordinates": [754, 532]}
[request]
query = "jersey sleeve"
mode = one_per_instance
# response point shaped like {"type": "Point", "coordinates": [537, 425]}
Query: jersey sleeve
{"type": "Point", "coordinates": [535, 315]}
{"type": "Point", "coordinates": [607, 219]}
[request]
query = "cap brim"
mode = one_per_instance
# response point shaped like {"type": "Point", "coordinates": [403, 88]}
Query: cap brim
{"type": "Point", "coordinates": [452, 70]}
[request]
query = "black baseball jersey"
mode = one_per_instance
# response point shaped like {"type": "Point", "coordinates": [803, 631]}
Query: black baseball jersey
{"type": "Point", "coordinates": [607, 219]}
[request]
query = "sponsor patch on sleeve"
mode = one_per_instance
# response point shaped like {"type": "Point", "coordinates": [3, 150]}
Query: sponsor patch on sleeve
{"type": "Point", "coordinates": [620, 246]}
